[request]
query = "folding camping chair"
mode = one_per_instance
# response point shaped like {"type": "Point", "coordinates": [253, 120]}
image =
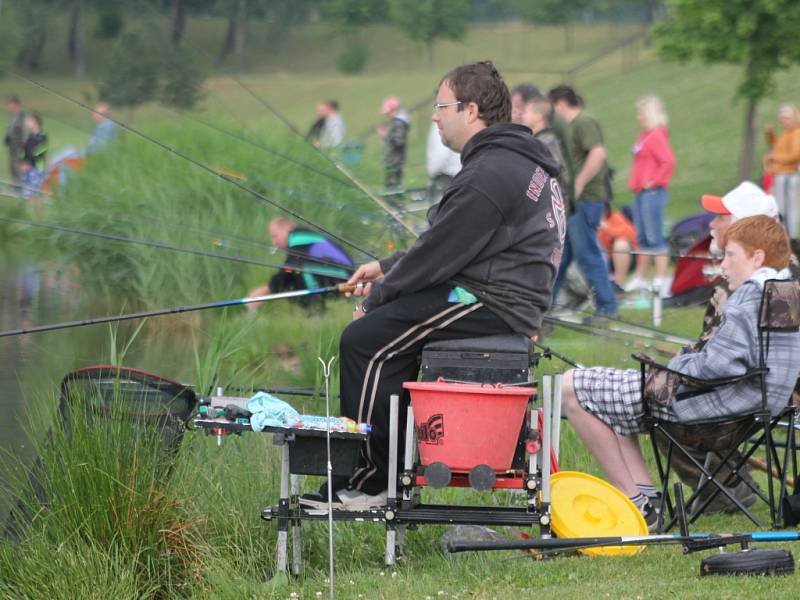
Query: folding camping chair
{"type": "Point", "coordinates": [723, 439]}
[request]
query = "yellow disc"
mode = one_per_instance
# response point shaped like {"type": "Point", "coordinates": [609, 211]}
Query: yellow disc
{"type": "Point", "coordinates": [585, 506]}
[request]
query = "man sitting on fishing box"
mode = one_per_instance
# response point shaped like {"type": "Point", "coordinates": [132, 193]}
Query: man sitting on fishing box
{"type": "Point", "coordinates": [312, 261]}
{"type": "Point", "coordinates": [485, 266]}
{"type": "Point", "coordinates": [605, 405]}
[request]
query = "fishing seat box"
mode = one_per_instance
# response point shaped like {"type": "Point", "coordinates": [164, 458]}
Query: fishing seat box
{"type": "Point", "coordinates": [490, 359]}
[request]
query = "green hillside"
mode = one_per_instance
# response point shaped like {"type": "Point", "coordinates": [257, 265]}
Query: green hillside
{"type": "Point", "coordinates": [705, 121]}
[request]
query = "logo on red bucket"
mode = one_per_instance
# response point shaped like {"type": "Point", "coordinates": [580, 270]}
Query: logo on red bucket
{"type": "Point", "coordinates": [432, 431]}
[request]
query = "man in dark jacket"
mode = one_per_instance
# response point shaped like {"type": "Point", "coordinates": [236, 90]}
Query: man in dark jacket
{"type": "Point", "coordinates": [485, 266]}
{"type": "Point", "coordinates": [395, 138]}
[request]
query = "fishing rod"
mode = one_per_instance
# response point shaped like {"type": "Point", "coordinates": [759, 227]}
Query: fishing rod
{"type": "Point", "coordinates": [692, 543]}
{"type": "Point", "coordinates": [665, 336]}
{"type": "Point", "coordinates": [338, 166]}
{"type": "Point", "coordinates": [217, 238]}
{"type": "Point", "coordinates": [667, 254]}
{"type": "Point", "coordinates": [193, 161]}
{"type": "Point", "coordinates": [548, 352]}
{"type": "Point", "coordinates": [645, 332]}
{"type": "Point", "coordinates": [611, 334]}
{"type": "Point", "coordinates": [340, 288]}
{"type": "Point", "coordinates": [173, 247]}
{"type": "Point", "coordinates": [216, 242]}
{"type": "Point", "coordinates": [261, 147]}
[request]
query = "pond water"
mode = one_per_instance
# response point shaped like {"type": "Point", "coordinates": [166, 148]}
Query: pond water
{"type": "Point", "coordinates": [37, 292]}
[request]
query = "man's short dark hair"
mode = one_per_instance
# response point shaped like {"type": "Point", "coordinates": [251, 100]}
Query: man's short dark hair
{"type": "Point", "coordinates": [482, 84]}
{"type": "Point", "coordinates": [13, 100]}
{"type": "Point", "coordinates": [526, 91]}
{"type": "Point", "coordinates": [334, 104]}
{"type": "Point", "coordinates": [566, 93]}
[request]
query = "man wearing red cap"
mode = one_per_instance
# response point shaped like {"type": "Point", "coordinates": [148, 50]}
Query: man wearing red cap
{"type": "Point", "coordinates": [394, 137]}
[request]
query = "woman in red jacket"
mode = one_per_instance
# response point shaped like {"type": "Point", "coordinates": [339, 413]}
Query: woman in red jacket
{"type": "Point", "coordinates": [653, 165]}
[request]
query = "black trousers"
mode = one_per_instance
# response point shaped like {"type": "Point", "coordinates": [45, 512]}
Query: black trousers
{"type": "Point", "coordinates": [381, 350]}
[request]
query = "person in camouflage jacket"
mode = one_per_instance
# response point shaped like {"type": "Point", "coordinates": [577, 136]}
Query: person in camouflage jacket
{"type": "Point", "coordinates": [395, 137]}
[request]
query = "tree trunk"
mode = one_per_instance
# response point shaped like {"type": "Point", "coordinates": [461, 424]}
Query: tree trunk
{"type": "Point", "coordinates": [567, 37]}
{"type": "Point", "coordinates": [29, 56]}
{"type": "Point", "coordinates": [227, 45]}
{"type": "Point", "coordinates": [653, 9]}
{"type": "Point", "coordinates": [240, 32]}
{"type": "Point", "coordinates": [748, 140]}
{"type": "Point", "coordinates": [74, 42]}
{"type": "Point", "coordinates": [178, 26]}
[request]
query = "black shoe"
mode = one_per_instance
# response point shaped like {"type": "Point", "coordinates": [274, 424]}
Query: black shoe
{"type": "Point", "coordinates": [656, 501]}
{"type": "Point", "coordinates": [319, 499]}
{"type": "Point", "coordinates": [650, 515]}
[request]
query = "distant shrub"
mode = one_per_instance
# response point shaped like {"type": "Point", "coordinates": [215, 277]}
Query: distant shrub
{"type": "Point", "coordinates": [353, 58]}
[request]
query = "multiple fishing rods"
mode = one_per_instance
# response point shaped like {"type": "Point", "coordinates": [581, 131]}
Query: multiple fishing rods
{"type": "Point", "coordinates": [394, 214]}
{"type": "Point", "coordinates": [175, 248]}
{"type": "Point", "coordinates": [340, 288]}
{"type": "Point", "coordinates": [195, 162]}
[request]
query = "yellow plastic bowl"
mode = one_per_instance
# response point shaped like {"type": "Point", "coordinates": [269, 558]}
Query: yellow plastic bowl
{"type": "Point", "coordinates": [584, 506]}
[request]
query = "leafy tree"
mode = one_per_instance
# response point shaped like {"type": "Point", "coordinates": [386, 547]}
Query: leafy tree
{"type": "Point", "coordinates": [554, 12]}
{"type": "Point", "coordinates": [759, 35]}
{"type": "Point", "coordinates": [143, 68]}
{"type": "Point", "coordinates": [110, 18]}
{"type": "Point", "coordinates": [131, 76]}
{"type": "Point", "coordinates": [349, 17]}
{"type": "Point", "coordinates": [181, 80]}
{"type": "Point", "coordinates": [427, 21]}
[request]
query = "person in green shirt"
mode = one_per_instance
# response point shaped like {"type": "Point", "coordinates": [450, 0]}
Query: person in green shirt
{"type": "Point", "coordinates": [591, 191]}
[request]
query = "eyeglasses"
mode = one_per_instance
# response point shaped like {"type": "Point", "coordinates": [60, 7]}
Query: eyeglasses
{"type": "Point", "coordinates": [440, 105]}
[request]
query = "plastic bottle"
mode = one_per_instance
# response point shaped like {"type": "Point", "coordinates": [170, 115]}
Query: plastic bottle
{"type": "Point", "coordinates": [338, 424]}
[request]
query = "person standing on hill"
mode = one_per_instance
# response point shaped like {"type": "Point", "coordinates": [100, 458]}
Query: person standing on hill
{"type": "Point", "coordinates": [33, 157]}
{"type": "Point", "coordinates": [332, 134]}
{"type": "Point", "coordinates": [105, 130]}
{"type": "Point", "coordinates": [653, 165]}
{"type": "Point", "coordinates": [15, 137]}
{"type": "Point", "coordinates": [592, 190]}
{"type": "Point", "coordinates": [395, 138]}
{"type": "Point", "coordinates": [520, 96]}
{"type": "Point", "coordinates": [782, 162]}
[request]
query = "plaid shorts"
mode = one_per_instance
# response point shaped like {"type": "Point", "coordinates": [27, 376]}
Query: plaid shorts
{"type": "Point", "coordinates": [615, 397]}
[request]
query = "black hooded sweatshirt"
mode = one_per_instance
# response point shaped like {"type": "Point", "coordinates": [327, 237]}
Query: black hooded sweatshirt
{"type": "Point", "coordinates": [498, 231]}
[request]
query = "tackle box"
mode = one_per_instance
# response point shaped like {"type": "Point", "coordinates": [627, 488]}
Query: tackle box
{"type": "Point", "coordinates": [491, 359]}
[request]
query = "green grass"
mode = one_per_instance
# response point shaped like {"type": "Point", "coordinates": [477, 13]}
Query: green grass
{"type": "Point", "coordinates": [137, 189]}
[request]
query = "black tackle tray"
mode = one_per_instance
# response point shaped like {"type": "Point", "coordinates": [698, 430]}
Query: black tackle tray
{"type": "Point", "coordinates": [307, 447]}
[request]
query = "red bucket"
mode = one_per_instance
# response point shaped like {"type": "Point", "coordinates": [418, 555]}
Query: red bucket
{"type": "Point", "coordinates": [464, 425]}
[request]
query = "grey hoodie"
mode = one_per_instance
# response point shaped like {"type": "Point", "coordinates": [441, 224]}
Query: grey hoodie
{"type": "Point", "coordinates": [498, 231]}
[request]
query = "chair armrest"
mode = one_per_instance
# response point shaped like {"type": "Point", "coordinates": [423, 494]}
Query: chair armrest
{"type": "Point", "coordinates": [700, 386]}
